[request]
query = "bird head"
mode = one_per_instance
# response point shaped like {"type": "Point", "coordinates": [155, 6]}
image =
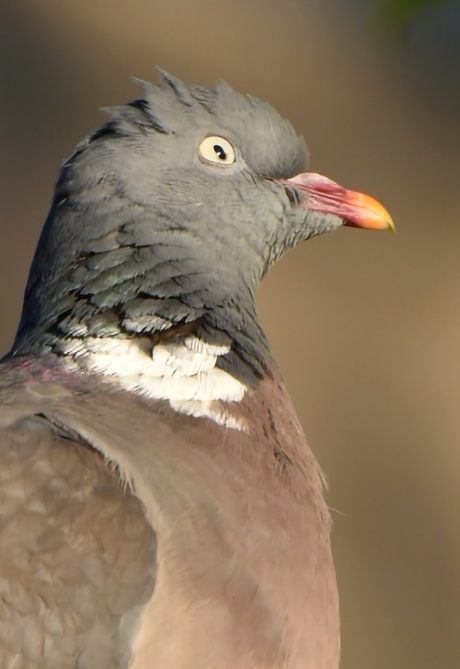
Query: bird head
{"type": "Point", "coordinates": [172, 212]}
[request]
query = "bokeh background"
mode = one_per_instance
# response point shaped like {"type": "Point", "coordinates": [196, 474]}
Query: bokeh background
{"type": "Point", "coordinates": [366, 326]}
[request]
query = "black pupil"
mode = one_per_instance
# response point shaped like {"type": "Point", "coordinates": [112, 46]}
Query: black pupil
{"type": "Point", "coordinates": [220, 151]}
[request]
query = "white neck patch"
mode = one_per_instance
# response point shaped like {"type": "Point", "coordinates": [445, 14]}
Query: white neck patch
{"type": "Point", "coordinates": [183, 372]}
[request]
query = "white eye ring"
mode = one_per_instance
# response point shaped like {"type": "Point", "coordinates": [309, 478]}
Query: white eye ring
{"type": "Point", "coordinates": [217, 150]}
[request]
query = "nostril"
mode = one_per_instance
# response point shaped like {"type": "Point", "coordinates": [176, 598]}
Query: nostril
{"type": "Point", "coordinates": [293, 195]}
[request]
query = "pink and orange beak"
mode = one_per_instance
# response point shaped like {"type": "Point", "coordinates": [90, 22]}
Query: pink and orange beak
{"type": "Point", "coordinates": [356, 209]}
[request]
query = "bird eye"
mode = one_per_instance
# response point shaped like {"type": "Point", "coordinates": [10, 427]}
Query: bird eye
{"type": "Point", "coordinates": [217, 150]}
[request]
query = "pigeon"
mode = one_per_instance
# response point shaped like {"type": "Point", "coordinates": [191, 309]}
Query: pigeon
{"type": "Point", "coordinates": [160, 507]}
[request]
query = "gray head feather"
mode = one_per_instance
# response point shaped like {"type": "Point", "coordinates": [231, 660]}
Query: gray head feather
{"type": "Point", "coordinates": [143, 235]}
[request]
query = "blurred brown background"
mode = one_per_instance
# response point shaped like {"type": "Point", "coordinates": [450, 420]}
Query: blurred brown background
{"type": "Point", "coordinates": [366, 326]}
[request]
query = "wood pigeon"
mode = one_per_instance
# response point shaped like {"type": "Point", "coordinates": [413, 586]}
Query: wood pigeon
{"type": "Point", "coordinates": [159, 505]}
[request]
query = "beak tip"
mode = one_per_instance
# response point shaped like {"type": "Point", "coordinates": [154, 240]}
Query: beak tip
{"type": "Point", "coordinates": [371, 214]}
{"type": "Point", "coordinates": [389, 224]}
